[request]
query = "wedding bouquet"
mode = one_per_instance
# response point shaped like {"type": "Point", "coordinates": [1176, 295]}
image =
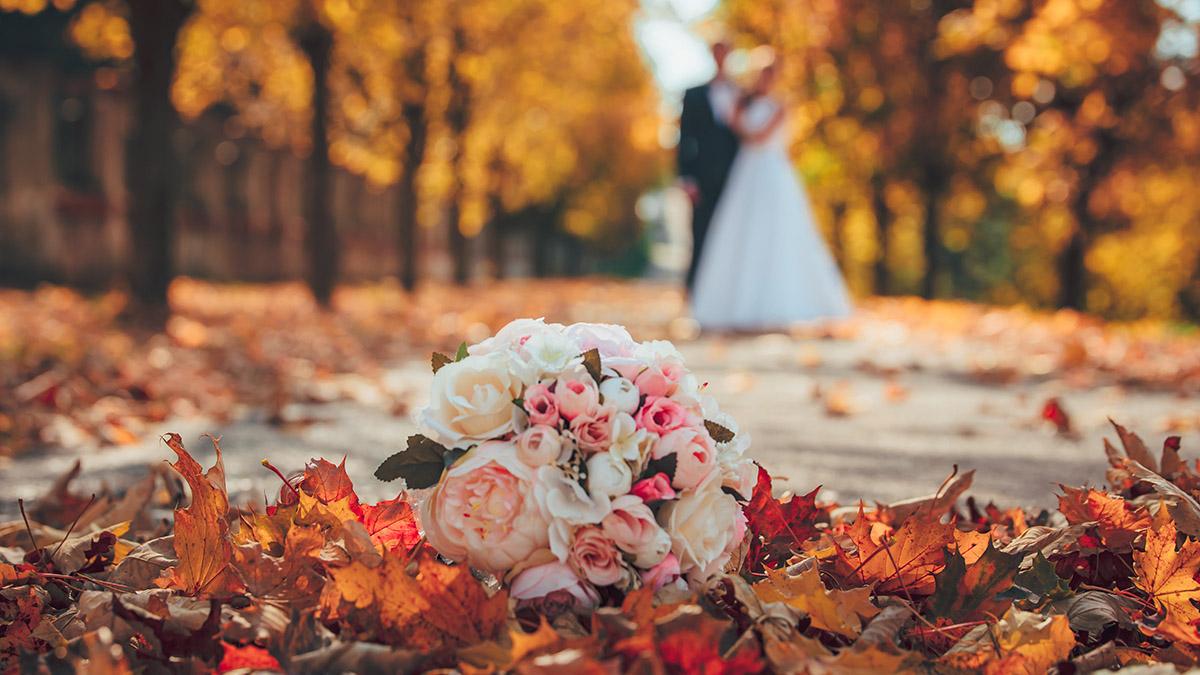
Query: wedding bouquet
{"type": "Point", "coordinates": [575, 461]}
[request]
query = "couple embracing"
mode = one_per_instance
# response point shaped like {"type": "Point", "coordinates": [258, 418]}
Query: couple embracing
{"type": "Point", "coordinates": [758, 260]}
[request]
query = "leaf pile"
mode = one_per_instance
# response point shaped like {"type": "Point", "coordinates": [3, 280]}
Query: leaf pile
{"type": "Point", "coordinates": [73, 375]}
{"type": "Point", "coordinates": [320, 582]}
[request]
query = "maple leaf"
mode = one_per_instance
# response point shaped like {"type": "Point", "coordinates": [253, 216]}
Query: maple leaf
{"type": "Point", "coordinates": [968, 591]}
{"type": "Point", "coordinates": [900, 562]}
{"type": "Point", "coordinates": [1021, 642]}
{"type": "Point", "coordinates": [1169, 576]}
{"type": "Point", "coordinates": [248, 658]}
{"type": "Point", "coordinates": [392, 524]}
{"type": "Point", "coordinates": [202, 541]}
{"type": "Point", "coordinates": [1118, 522]}
{"type": "Point", "coordinates": [777, 529]}
{"type": "Point", "coordinates": [835, 610]}
{"type": "Point", "coordinates": [328, 482]}
{"type": "Point", "coordinates": [437, 606]}
{"type": "Point", "coordinates": [503, 655]}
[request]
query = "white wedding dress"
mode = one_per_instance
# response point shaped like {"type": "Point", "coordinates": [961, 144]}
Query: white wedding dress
{"type": "Point", "coordinates": [764, 264]}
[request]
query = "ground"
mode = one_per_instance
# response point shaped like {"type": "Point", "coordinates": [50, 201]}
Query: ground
{"type": "Point", "coordinates": [882, 411]}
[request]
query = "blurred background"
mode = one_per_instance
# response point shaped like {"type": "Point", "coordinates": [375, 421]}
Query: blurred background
{"type": "Point", "coordinates": [1042, 152]}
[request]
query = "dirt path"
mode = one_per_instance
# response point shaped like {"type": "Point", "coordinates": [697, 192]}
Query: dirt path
{"type": "Point", "coordinates": [881, 416]}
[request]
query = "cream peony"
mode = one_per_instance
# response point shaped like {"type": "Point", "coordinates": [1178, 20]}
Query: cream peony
{"type": "Point", "coordinates": [472, 400]}
{"type": "Point", "coordinates": [632, 528]}
{"type": "Point", "coordinates": [480, 513]}
{"type": "Point", "coordinates": [705, 525]}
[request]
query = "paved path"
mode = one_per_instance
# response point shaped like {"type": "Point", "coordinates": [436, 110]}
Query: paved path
{"type": "Point", "coordinates": [879, 417]}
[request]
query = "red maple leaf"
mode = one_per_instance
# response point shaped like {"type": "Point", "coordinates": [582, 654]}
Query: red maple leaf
{"type": "Point", "coordinates": [248, 658]}
{"type": "Point", "coordinates": [392, 524]}
{"type": "Point", "coordinates": [777, 528]}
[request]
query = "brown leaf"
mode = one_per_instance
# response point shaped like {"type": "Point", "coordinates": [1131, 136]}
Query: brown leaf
{"type": "Point", "coordinates": [1118, 521]}
{"type": "Point", "coordinates": [435, 607]}
{"type": "Point", "coordinates": [202, 541]}
{"type": "Point", "coordinates": [902, 562]}
{"type": "Point", "coordinates": [835, 610]}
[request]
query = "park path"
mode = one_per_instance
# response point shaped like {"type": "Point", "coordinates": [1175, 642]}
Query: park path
{"type": "Point", "coordinates": [882, 415]}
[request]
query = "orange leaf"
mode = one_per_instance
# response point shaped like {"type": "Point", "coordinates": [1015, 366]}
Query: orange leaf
{"type": "Point", "coordinates": [329, 482]}
{"type": "Point", "coordinates": [249, 658]}
{"type": "Point", "coordinates": [202, 540]}
{"type": "Point", "coordinates": [1118, 521]}
{"type": "Point", "coordinates": [1169, 576]}
{"type": "Point", "coordinates": [903, 562]}
{"type": "Point", "coordinates": [392, 524]}
{"type": "Point", "coordinates": [434, 606]}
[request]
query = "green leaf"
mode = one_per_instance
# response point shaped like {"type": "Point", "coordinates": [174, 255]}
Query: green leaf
{"type": "Point", "coordinates": [591, 361]}
{"type": "Point", "coordinates": [438, 360]}
{"type": "Point", "coordinates": [462, 352]}
{"type": "Point", "coordinates": [964, 592]}
{"type": "Point", "coordinates": [719, 433]}
{"type": "Point", "coordinates": [1038, 584]}
{"type": "Point", "coordinates": [420, 464]}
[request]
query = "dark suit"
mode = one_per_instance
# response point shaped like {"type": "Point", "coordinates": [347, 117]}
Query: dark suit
{"type": "Point", "coordinates": [704, 155]}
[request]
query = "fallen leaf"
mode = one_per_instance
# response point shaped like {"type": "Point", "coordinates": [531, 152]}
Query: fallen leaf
{"type": "Point", "coordinates": [202, 544]}
{"type": "Point", "coordinates": [777, 529]}
{"type": "Point", "coordinates": [1169, 576]}
{"type": "Point", "coordinates": [836, 611]}
{"type": "Point", "coordinates": [392, 524]}
{"type": "Point", "coordinates": [902, 562]}
{"type": "Point", "coordinates": [1118, 521]}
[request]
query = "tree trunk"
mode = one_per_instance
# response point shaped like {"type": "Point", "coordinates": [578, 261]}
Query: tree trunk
{"type": "Point", "coordinates": [317, 43]}
{"type": "Point", "coordinates": [934, 184]}
{"type": "Point", "coordinates": [883, 279]}
{"type": "Point", "coordinates": [150, 161]}
{"type": "Point", "coordinates": [839, 236]}
{"type": "Point", "coordinates": [1072, 274]}
{"type": "Point", "coordinates": [458, 119]}
{"type": "Point", "coordinates": [406, 195]}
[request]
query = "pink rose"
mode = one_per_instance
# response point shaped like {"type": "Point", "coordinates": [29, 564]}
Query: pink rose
{"type": "Point", "coordinates": [695, 457]}
{"type": "Point", "coordinates": [595, 557]}
{"type": "Point", "coordinates": [593, 432]}
{"type": "Point", "coordinates": [480, 512]}
{"type": "Point", "coordinates": [541, 406]}
{"type": "Point", "coordinates": [542, 580]}
{"type": "Point", "coordinates": [576, 396]}
{"type": "Point", "coordinates": [654, 488]}
{"type": "Point", "coordinates": [631, 526]}
{"type": "Point", "coordinates": [662, 574]}
{"type": "Point", "coordinates": [662, 415]}
{"type": "Point", "coordinates": [539, 445]}
{"type": "Point", "coordinates": [661, 379]}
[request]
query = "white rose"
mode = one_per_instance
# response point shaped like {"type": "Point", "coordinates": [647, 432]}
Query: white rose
{"type": "Point", "coordinates": [620, 393]}
{"type": "Point", "coordinates": [609, 339]}
{"type": "Point", "coordinates": [705, 525]}
{"type": "Point", "coordinates": [514, 335]}
{"type": "Point", "coordinates": [738, 473]}
{"type": "Point", "coordinates": [608, 475]}
{"type": "Point", "coordinates": [472, 400]}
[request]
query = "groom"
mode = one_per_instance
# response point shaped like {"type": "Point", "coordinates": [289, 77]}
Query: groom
{"type": "Point", "coordinates": [706, 149]}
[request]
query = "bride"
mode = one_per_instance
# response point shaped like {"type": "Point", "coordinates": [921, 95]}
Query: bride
{"type": "Point", "coordinates": [765, 264]}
